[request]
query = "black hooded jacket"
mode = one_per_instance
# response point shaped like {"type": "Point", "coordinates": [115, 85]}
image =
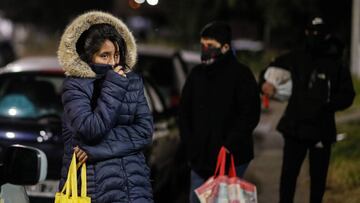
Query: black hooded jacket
{"type": "Point", "coordinates": [219, 106]}
{"type": "Point", "coordinates": [321, 86]}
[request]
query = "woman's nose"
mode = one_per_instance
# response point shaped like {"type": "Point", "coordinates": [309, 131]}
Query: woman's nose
{"type": "Point", "coordinates": [112, 61]}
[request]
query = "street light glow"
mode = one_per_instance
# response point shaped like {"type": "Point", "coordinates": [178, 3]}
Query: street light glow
{"type": "Point", "coordinates": [10, 135]}
{"type": "Point", "coordinates": [152, 2]}
{"type": "Point", "coordinates": [139, 1]}
{"type": "Point", "coordinates": [12, 111]}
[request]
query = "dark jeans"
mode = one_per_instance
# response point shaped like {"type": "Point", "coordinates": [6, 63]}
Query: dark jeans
{"type": "Point", "coordinates": [294, 154]}
{"type": "Point", "coordinates": [196, 181]}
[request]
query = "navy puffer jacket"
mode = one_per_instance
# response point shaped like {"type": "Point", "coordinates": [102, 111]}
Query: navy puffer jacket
{"type": "Point", "coordinates": [113, 135]}
{"type": "Point", "coordinates": [108, 118]}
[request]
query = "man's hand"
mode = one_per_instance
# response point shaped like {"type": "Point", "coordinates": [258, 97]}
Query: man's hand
{"type": "Point", "coordinates": [80, 155]}
{"type": "Point", "coordinates": [268, 89]}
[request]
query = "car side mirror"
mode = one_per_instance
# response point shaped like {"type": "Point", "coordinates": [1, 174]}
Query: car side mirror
{"type": "Point", "coordinates": [24, 165]}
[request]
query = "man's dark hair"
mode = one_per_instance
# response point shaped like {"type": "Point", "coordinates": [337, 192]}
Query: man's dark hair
{"type": "Point", "coordinates": [91, 40]}
{"type": "Point", "coordinates": [220, 31]}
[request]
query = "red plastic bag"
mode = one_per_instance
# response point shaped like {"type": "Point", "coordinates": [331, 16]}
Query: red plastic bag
{"type": "Point", "coordinates": [221, 188]}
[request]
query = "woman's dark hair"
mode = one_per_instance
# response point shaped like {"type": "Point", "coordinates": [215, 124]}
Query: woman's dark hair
{"type": "Point", "coordinates": [91, 40]}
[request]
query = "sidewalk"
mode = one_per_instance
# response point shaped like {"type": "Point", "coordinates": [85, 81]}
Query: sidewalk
{"type": "Point", "coordinates": [348, 117]}
{"type": "Point", "coordinates": [265, 169]}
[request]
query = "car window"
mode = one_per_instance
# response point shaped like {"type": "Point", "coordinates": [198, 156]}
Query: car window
{"type": "Point", "coordinates": [29, 95]}
{"type": "Point", "coordinates": [154, 98]}
{"type": "Point", "coordinates": [161, 71]}
{"type": "Point", "coordinates": [180, 74]}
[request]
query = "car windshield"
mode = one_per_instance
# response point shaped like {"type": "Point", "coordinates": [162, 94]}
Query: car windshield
{"type": "Point", "coordinates": [30, 95]}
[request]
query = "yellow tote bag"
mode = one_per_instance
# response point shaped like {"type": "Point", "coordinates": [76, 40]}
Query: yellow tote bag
{"type": "Point", "coordinates": [69, 193]}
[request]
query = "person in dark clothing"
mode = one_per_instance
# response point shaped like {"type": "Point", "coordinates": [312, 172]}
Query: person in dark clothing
{"type": "Point", "coordinates": [219, 107]}
{"type": "Point", "coordinates": [7, 52]}
{"type": "Point", "coordinates": [106, 119]}
{"type": "Point", "coordinates": [321, 85]}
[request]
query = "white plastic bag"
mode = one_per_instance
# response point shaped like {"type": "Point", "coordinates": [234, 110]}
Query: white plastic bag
{"type": "Point", "coordinates": [281, 79]}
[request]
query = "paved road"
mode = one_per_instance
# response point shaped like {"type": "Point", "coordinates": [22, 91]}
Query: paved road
{"type": "Point", "coordinates": [264, 170]}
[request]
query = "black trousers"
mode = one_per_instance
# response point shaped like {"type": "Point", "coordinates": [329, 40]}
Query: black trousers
{"type": "Point", "coordinates": [294, 154]}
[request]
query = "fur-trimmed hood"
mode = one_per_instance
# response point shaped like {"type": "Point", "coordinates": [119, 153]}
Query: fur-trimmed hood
{"type": "Point", "coordinates": [68, 57]}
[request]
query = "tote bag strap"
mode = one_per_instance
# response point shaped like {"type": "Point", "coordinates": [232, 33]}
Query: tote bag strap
{"type": "Point", "coordinates": [221, 163]}
{"type": "Point", "coordinates": [67, 186]}
{"type": "Point", "coordinates": [232, 170]}
{"type": "Point", "coordinates": [70, 186]}
{"type": "Point", "coordinates": [73, 178]}
{"type": "Point", "coordinates": [83, 181]}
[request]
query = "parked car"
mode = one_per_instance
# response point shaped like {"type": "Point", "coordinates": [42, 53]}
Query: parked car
{"type": "Point", "coordinates": [168, 68]}
{"type": "Point", "coordinates": [22, 165]}
{"type": "Point", "coordinates": [30, 112]}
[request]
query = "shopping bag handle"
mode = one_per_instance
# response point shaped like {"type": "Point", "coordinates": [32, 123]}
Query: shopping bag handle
{"type": "Point", "coordinates": [221, 163]}
{"type": "Point", "coordinates": [232, 170]}
{"type": "Point", "coordinates": [70, 186]}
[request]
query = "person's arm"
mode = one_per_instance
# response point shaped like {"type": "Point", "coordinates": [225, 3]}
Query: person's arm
{"type": "Point", "coordinates": [343, 96]}
{"type": "Point", "coordinates": [124, 140]}
{"type": "Point", "coordinates": [91, 124]}
{"type": "Point", "coordinates": [247, 111]}
{"type": "Point", "coordinates": [282, 62]}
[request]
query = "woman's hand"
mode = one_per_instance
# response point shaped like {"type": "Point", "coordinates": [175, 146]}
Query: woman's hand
{"type": "Point", "coordinates": [80, 155]}
{"type": "Point", "coordinates": [120, 71]}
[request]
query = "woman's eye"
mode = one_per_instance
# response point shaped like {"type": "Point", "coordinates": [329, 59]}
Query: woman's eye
{"type": "Point", "coordinates": [104, 56]}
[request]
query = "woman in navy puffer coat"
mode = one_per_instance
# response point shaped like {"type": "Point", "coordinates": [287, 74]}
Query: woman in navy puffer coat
{"type": "Point", "coordinates": [106, 116]}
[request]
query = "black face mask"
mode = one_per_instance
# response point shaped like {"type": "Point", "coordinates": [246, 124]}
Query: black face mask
{"type": "Point", "coordinates": [315, 42]}
{"type": "Point", "coordinates": [100, 69]}
{"type": "Point", "coordinates": [210, 54]}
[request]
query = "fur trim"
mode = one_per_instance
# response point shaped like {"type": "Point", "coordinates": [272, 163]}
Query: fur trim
{"type": "Point", "coordinates": [68, 57]}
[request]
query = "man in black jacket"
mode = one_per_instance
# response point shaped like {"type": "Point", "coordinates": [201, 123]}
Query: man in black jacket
{"type": "Point", "coordinates": [321, 85]}
{"type": "Point", "coordinates": [219, 107]}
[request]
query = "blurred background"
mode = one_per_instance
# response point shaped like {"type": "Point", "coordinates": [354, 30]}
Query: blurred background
{"type": "Point", "coordinates": [167, 32]}
{"type": "Point", "coordinates": [35, 26]}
